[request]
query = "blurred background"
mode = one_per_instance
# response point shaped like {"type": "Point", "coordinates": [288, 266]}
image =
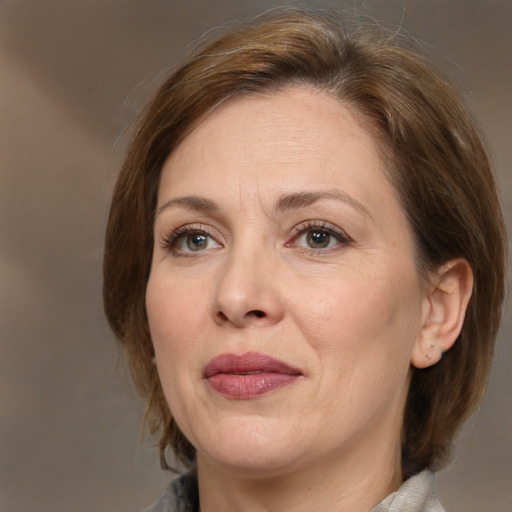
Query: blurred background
{"type": "Point", "coordinates": [73, 75]}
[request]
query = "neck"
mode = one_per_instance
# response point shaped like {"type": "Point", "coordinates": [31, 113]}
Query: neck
{"type": "Point", "coordinates": [354, 481]}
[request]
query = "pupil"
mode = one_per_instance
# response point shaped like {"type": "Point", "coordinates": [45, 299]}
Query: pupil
{"type": "Point", "coordinates": [196, 242]}
{"type": "Point", "coordinates": [318, 239]}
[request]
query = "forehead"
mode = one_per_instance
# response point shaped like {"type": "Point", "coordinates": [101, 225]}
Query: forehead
{"type": "Point", "coordinates": [296, 134]}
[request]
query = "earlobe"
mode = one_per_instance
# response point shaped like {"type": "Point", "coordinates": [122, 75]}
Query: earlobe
{"type": "Point", "coordinates": [444, 310]}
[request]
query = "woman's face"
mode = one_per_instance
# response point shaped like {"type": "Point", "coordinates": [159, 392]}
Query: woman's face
{"type": "Point", "coordinates": [283, 299]}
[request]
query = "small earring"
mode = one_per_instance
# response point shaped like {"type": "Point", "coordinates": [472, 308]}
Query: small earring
{"type": "Point", "coordinates": [429, 357]}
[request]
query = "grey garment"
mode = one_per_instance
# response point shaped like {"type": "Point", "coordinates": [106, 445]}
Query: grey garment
{"type": "Point", "coordinates": [182, 495]}
{"type": "Point", "coordinates": [418, 494]}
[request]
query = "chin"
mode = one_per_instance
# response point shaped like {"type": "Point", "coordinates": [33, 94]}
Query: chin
{"type": "Point", "coordinates": [252, 465]}
{"type": "Point", "coordinates": [252, 450]}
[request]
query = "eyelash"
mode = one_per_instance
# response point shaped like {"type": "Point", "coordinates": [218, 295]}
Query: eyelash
{"type": "Point", "coordinates": [170, 241]}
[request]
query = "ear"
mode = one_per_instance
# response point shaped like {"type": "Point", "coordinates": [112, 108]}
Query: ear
{"type": "Point", "coordinates": [444, 309]}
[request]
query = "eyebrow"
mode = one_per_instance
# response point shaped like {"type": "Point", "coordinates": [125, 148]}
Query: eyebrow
{"type": "Point", "coordinates": [195, 203]}
{"type": "Point", "coordinates": [285, 203]}
{"type": "Point", "coordinates": [302, 199]}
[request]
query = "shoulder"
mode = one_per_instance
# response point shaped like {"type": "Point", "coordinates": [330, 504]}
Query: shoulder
{"type": "Point", "coordinates": [181, 496]}
{"type": "Point", "coordinates": [418, 494]}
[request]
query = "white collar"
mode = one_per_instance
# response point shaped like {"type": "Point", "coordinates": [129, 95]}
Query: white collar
{"type": "Point", "coordinates": [418, 494]}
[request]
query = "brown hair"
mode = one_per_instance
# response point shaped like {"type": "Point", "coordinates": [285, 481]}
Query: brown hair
{"type": "Point", "coordinates": [434, 157]}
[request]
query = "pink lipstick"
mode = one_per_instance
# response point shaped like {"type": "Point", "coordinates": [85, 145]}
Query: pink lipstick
{"type": "Point", "coordinates": [248, 375]}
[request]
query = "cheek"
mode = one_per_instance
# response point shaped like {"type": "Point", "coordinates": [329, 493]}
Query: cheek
{"type": "Point", "coordinates": [176, 318]}
{"type": "Point", "coordinates": [176, 322]}
{"type": "Point", "coordinates": [369, 320]}
{"type": "Point", "coordinates": [169, 299]}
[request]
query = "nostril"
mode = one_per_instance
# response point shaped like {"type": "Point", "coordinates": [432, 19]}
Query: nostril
{"type": "Point", "coordinates": [221, 316]}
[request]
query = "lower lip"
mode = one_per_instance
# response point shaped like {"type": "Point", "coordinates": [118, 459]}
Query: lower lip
{"type": "Point", "coordinates": [249, 386]}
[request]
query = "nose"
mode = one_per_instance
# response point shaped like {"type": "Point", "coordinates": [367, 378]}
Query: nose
{"type": "Point", "coordinates": [247, 289]}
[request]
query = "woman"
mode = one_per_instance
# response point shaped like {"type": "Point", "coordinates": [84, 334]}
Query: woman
{"type": "Point", "coordinates": [305, 263]}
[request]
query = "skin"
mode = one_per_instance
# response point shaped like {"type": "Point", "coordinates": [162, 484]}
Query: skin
{"type": "Point", "coordinates": [351, 312]}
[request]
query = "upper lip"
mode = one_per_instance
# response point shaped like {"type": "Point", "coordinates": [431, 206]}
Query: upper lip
{"type": "Point", "coordinates": [246, 364]}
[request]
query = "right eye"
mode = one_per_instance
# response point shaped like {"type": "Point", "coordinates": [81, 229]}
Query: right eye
{"type": "Point", "coordinates": [189, 240]}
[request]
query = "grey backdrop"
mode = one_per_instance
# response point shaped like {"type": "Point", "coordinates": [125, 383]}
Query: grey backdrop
{"type": "Point", "coordinates": [73, 73]}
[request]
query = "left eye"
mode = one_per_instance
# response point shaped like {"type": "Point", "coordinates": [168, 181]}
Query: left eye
{"type": "Point", "coordinates": [318, 237]}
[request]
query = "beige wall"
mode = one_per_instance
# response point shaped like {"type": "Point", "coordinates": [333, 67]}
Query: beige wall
{"type": "Point", "coordinates": [72, 76]}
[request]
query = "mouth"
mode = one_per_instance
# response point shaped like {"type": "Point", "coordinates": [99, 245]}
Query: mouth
{"type": "Point", "coordinates": [248, 375]}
